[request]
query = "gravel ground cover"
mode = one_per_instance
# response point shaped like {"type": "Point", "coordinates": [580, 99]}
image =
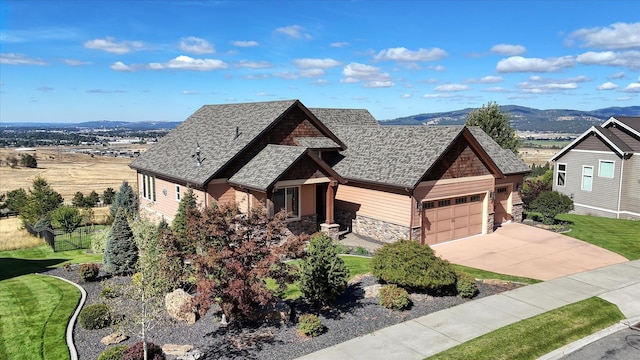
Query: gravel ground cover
{"type": "Point", "coordinates": [353, 316]}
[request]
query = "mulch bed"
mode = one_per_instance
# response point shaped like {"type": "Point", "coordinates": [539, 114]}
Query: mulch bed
{"type": "Point", "coordinates": [352, 316]}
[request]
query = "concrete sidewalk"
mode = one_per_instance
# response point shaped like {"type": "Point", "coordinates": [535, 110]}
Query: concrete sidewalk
{"type": "Point", "coordinates": [436, 332]}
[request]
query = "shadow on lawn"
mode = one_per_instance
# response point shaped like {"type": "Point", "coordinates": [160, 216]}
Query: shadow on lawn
{"type": "Point", "coordinates": [12, 267]}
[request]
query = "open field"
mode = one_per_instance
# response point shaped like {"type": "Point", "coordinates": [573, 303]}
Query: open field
{"type": "Point", "coordinates": [13, 236]}
{"type": "Point", "coordinates": [67, 172]}
{"type": "Point", "coordinates": [537, 156]}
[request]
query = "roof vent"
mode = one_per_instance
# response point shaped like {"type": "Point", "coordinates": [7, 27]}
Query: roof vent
{"type": "Point", "coordinates": [199, 159]}
{"type": "Point", "coordinates": [237, 133]}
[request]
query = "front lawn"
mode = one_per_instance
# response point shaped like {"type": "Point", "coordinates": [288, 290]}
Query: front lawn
{"type": "Point", "coordinates": [539, 335]}
{"type": "Point", "coordinates": [35, 309]}
{"type": "Point", "coordinates": [619, 236]}
{"type": "Point", "coordinates": [34, 312]}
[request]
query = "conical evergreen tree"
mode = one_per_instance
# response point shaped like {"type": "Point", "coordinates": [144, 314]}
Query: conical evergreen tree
{"type": "Point", "coordinates": [121, 252]}
{"type": "Point", "coordinates": [125, 199]}
{"type": "Point", "coordinates": [323, 273]}
{"type": "Point", "coordinates": [179, 224]}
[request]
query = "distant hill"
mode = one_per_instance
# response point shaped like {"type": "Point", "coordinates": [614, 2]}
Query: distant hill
{"type": "Point", "coordinates": [100, 124]}
{"type": "Point", "coordinates": [527, 119]}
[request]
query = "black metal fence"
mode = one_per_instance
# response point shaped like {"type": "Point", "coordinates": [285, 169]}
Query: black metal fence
{"type": "Point", "coordinates": [62, 241]}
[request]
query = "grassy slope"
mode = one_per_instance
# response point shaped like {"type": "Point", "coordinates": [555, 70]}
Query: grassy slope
{"type": "Point", "coordinates": [484, 274]}
{"type": "Point", "coordinates": [34, 311]}
{"type": "Point", "coordinates": [619, 236]}
{"type": "Point", "coordinates": [534, 337]}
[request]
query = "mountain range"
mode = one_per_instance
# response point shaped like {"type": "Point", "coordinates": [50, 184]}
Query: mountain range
{"type": "Point", "coordinates": [527, 119]}
{"type": "Point", "coordinates": [522, 118]}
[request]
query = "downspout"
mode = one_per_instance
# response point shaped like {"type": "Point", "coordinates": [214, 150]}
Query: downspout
{"type": "Point", "coordinates": [248, 192]}
{"type": "Point", "coordinates": [620, 187]}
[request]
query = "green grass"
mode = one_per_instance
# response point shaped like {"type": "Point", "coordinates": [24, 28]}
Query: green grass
{"type": "Point", "coordinates": [553, 144]}
{"type": "Point", "coordinates": [483, 274]}
{"type": "Point", "coordinates": [34, 311]}
{"type": "Point", "coordinates": [617, 235]}
{"type": "Point", "coordinates": [539, 335]}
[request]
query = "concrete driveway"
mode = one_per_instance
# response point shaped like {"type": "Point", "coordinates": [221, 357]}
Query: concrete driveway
{"type": "Point", "coordinates": [523, 250]}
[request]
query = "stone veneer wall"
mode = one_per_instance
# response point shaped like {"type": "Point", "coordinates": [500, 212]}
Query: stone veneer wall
{"type": "Point", "coordinates": [153, 216]}
{"type": "Point", "coordinates": [306, 224]}
{"type": "Point", "coordinates": [490, 223]}
{"type": "Point", "coordinates": [379, 230]}
{"type": "Point", "coordinates": [516, 212]}
{"type": "Point", "coordinates": [344, 218]}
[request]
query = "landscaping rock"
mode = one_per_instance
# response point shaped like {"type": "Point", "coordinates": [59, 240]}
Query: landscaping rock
{"type": "Point", "coordinates": [372, 291]}
{"type": "Point", "coordinates": [176, 350]}
{"type": "Point", "coordinates": [191, 355]}
{"type": "Point", "coordinates": [420, 297]}
{"type": "Point", "coordinates": [114, 338]}
{"type": "Point", "coordinates": [178, 304]}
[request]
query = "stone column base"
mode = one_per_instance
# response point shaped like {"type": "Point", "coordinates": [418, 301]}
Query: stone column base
{"type": "Point", "coordinates": [330, 229]}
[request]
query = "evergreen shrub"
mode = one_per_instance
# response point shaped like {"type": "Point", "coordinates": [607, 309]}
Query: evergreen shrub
{"type": "Point", "coordinates": [113, 353]}
{"type": "Point", "coordinates": [310, 325]}
{"type": "Point", "coordinates": [95, 316]}
{"type": "Point", "coordinates": [394, 297]}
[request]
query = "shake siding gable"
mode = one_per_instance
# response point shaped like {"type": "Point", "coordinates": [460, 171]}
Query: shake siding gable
{"type": "Point", "coordinates": [461, 161]}
{"type": "Point", "coordinates": [380, 205]}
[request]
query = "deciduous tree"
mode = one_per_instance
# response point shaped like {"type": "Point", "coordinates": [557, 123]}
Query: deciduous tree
{"type": "Point", "coordinates": [28, 160]}
{"type": "Point", "coordinates": [550, 204]}
{"type": "Point", "coordinates": [496, 124]}
{"type": "Point", "coordinates": [67, 218]}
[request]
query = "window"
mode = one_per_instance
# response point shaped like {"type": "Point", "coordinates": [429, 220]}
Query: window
{"type": "Point", "coordinates": [587, 178]}
{"type": "Point", "coordinates": [606, 169]}
{"type": "Point", "coordinates": [287, 199]}
{"type": "Point", "coordinates": [442, 203]}
{"type": "Point", "coordinates": [428, 205]}
{"type": "Point", "coordinates": [149, 187]}
{"type": "Point", "coordinates": [501, 190]}
{"type": "Point", "coordinates": [178, 192]}
{"type": "Point", "coordinates": [475, 198]}
{"type": "Point", "coordinates": [461, 200]}
{"type": "Point", "coordinates": [561, 180]}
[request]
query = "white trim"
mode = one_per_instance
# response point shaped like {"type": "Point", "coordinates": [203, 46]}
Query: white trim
{"type": "Point", "coordinates": [592, 129]}
{"type": "Point", "coordinates": [613, 174]}
{"type": "Point", "coordinates": [583, 176]}
{"type": "Point", "coordinates": [620, 123]}
{"type": "Point", "coordinates": [607, 210]}
{"type": "Point", "coordinates": [557, 173]}
{"type": "Point", "coordinates": [178, 193]}
{"type": "Point", "coordinates": [289, 183]}
{"type": "Point", "coordinates": [620, 186]}
{"type": "Point", "coordinates": [594, 151]}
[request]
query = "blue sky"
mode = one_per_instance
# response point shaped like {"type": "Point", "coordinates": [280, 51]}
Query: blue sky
{"type": "Point", "coordinates": [72, 61]}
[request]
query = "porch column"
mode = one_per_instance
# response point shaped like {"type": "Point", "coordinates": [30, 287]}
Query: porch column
{"type": "Point", "coordinates": [331, 191]}
{"type": "Point", "coordinates": [269, 205]}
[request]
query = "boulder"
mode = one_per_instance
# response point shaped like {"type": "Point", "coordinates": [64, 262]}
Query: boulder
{"type": "Point", "coordinates": [114, 338]}
{"type": "Point", "coordinates": [372, 291]}
{"type": "Point", "coordinates": [191, 355]}
{"type": "Point", "coordinates": [176, 350]}
{"type": "Point", "coordinates": [279, 313]}
{"type": "Point", "coordinates": [179, 306]}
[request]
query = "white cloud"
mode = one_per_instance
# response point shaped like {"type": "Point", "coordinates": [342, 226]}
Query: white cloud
{"type": "Point", "coordinates": [190, 92]}
{"type": "Point", "coordinates": [73, 62]}
{"type": "Point", "coordinates": [262, 93]}
{"type": "Point", "coordinates": [254, 64]}
{"type": "Point", "coordinates": [497, 89]}
{"type": "Point", "coordinates": [437, 96]}
{"type": "Point", "coordinates": [321, 82]}
{"type": "Point", "coordinates": [184, 62]}
{"type": "Point", "coordinates": [508, 49]}
{"type": "Point", "coordinates": [196, 45]}
{"type": "Point", "coordinates": [632, 88]}
{"type": "Point", "coordinates": [120, 66]}
{"type": "Point", "coordinates": [103, 91]}
{"type": "Point", "coordinates": [370, 75]}
{"type": "Point", "coordinates": [20, 59]}
{"type": "Point", "coordinates": [630, 59]}
{"type": "Point", "coordinates": [257, 76]}
{"type": "Point", "coordinates": [451, 87]}
{"type": "Point", "coordinates": [521, 64]}
{"type": "Point", "coordinates": [293, 31]}
{"type": "Point", "coordinates": [245, 43]}
{"type": "Point", "coordinates": [577, 79]}
{"type": "Point", "coordinates": [617, 36]}
{"type": "Point", "coordinates": [546, 87]}
{"type": "Point", "coordinates": [618, 75]}
{"type": "Point", "coordinates": [402, 54]}
{"type": "Point", "coordinates": [311, 73]}
{"type": "Point", "coordinates": [405, 96]}
{"type": "Point", "coordinates": [339, 44]}
{"type": "Point", "coordinates": [438, 68]}
{"type": "Point", "coordinates": [45, 89]}
{"type": "Point", "coordinates": [489, 79]}
{"type": "Point", "coordinates": [109, 45]}
{"type": "Point", "coordinates": [286, 75]}
{"type": "Point", "coordinates": [315, 63]}
{"type": "Point", "coordinates": [607, 86]}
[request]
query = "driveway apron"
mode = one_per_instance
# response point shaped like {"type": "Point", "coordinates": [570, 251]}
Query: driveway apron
{"type": "Point", "coordinates": [523, 250]}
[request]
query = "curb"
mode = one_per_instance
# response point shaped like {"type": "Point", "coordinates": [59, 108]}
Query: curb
{"type": "Point", "coordinates": [69, 333]}
{"type": "Point", "coordinates": [578, 344]}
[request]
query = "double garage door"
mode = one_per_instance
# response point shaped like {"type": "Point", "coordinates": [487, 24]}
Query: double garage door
{"type": "Point", "coordinates": [454, 218]}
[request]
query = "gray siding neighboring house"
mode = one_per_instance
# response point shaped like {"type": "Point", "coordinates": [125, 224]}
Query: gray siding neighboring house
{"type": "Point", "coordinates": [600, 170]}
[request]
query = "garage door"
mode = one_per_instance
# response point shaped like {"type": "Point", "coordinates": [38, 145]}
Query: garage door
{"type": "Point", "coordinates": [453, 218]}
{"type": "Point", "coordinates": [501, 204]}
